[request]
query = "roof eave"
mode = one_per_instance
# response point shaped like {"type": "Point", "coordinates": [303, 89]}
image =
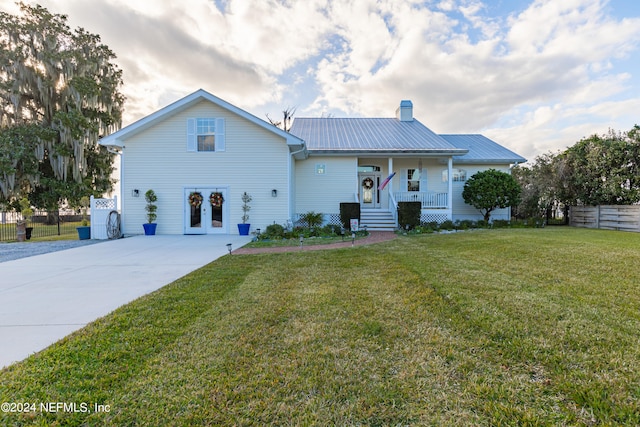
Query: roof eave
{"type": "Point", "coordinates": [503, 161]}
{"type": "Point", "coordinates": [397, 153]}
{"type": "Point", "coordinates": [112, 143]}
{"type": "Point", "coordinates": [298, 151]}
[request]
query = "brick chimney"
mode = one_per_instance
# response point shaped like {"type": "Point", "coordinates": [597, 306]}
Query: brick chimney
{"type": "Point", "coordinates": [404, 113]}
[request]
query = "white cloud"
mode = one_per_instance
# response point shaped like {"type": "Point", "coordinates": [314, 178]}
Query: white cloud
{"type": "Point", "coordinates": [167, 50]}
{"type": "Point", "coordinates": [539, 58]}
{"type": "Point", "coordinates": [533, 79]}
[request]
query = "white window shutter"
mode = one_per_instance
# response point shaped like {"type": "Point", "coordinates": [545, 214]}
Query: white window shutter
{"type": "Point", "coordinates": [220, 135]}
{"type": "Point", "coordinates": [423, 179]}
{"type": "Point", "coordinates": [192, 144]}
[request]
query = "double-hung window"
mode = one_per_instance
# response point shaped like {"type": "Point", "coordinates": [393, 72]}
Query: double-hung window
{"type": "Point", "coordinates": [205, 134]}
{"type": "Point", "coordinates": [413, 180]}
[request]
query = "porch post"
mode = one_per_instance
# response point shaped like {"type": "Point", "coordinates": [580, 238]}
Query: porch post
{"type": "Point", "coordinates": [356, 195]}
{"type": "Point", "coordinates": [450, 196]}
{"type": "Point", "coordinates": [389, 172]}
{"type": "Point", "coordinates": [390, 188]}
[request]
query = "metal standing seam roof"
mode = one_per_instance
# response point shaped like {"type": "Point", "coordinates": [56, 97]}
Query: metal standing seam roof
{"type": "Point", "coordinates": [482, 150]}
{"type": "Point", "coordinates": [345, 135]}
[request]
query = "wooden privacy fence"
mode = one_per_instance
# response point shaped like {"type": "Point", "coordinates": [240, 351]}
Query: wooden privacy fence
{"type": "Point", "coordinates": [609, 217]}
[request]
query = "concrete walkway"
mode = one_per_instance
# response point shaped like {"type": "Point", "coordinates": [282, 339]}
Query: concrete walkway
{"type": "Point", "coordinates": [45, 297]}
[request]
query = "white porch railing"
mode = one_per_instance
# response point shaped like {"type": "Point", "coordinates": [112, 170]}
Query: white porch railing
{"type": "Point", "coordinates": [429, 200]}
{"type": "Point", "coordinates": [394, 207]}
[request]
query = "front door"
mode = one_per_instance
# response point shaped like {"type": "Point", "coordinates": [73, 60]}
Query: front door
{"type": "Point", "coordinates": [369, 193]}
{"type": "Point", "coordinates": [205, 211]}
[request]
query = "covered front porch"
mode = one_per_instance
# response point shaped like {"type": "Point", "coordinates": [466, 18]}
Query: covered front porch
{"type": "Point", "coordinates": [428, 180]}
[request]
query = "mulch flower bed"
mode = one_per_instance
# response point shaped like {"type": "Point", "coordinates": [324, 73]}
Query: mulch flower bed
{"type": "Point", "coordinates": [373, 237]}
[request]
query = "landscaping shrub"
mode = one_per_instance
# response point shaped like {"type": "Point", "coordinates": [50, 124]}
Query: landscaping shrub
{"type": "Point", "coordinates": [465, 224]}
{"type": "Point", "coordinates": [274, 231]}
{"type": "Point", "coordinates": [409, 214]}
{"type": "Point", "coordinates": [331, 230]}
{"type": "Point", "coordinates": [312, 219]}
{"type": "Point", "coordinates": [447, 225]}
{"type": "Point", "coordinates": [425, 228]}
{"type": "Point", "coordinates": [500, 223]}
{"type": "Point", "coordinates": [432, 225]}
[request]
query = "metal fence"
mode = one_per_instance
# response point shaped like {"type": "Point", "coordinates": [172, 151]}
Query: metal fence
{"type": "Point", "coordinates": [42, 224]}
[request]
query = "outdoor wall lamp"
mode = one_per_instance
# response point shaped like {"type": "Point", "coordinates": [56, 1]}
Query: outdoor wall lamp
{"type": "Point", "coordinates": [274, 193]}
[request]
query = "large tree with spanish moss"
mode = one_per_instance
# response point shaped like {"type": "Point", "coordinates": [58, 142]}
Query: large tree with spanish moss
{"type": "Point", "coordinates": [59, 93]}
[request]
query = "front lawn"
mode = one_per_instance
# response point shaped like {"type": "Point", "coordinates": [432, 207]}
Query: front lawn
{"type": "Point", "coordinates": [498, 327]}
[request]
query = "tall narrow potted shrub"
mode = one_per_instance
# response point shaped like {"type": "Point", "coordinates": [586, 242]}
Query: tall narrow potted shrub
{"type": "Point", "coordinates": [244, 228]}
{"type": "Point", "coordinates": [84, 231]}
{"type": "Point", "coordinates": [151, 208]}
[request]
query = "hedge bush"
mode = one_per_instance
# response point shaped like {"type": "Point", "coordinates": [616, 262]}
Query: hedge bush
{"type": "Point", "coordinates": [349, 211]}
{"type": "Point", "coordinates": [409, 214]}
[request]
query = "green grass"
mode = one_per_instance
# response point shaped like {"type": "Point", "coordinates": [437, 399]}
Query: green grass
{"type": "Point", "coordinates": [494, 327]}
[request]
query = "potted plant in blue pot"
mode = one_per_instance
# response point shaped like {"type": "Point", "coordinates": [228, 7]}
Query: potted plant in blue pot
{"type": "Point", "coordinates": [151, 208]}
{"type": "Point", "coordinates": [84, 231]}
{"type": "Point", "coordinates": [244, 228]}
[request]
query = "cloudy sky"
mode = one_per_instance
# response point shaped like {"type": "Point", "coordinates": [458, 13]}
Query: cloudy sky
{"type": "Point", "coordinates": [534, 75]}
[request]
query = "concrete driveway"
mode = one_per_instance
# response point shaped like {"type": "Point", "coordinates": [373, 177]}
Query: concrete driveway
{"type": "Point", "coordinates": [45, 297]}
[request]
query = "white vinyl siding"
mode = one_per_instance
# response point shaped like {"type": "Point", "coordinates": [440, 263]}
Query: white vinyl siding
{"type": "Point", "coordinates": [323, 193]}
{"type": "Point", "coordinates": [255, 160]}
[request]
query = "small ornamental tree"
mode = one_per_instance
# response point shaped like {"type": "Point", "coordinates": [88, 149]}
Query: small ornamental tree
{"type": "Point", "coordinates": [491, 189]}
{"type": "Point", "coordinates": [151, 208]}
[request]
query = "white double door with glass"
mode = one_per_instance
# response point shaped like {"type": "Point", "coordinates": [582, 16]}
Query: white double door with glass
{"type": "Point", "coordinates": [206, 210]}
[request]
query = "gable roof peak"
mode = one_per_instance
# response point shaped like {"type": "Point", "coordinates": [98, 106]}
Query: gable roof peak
{"type": "Point", "coordinates": [116, 140]}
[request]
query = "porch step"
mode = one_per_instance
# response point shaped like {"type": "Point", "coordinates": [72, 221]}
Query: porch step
{"type": "Point", "coordinates": [377, 220]}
